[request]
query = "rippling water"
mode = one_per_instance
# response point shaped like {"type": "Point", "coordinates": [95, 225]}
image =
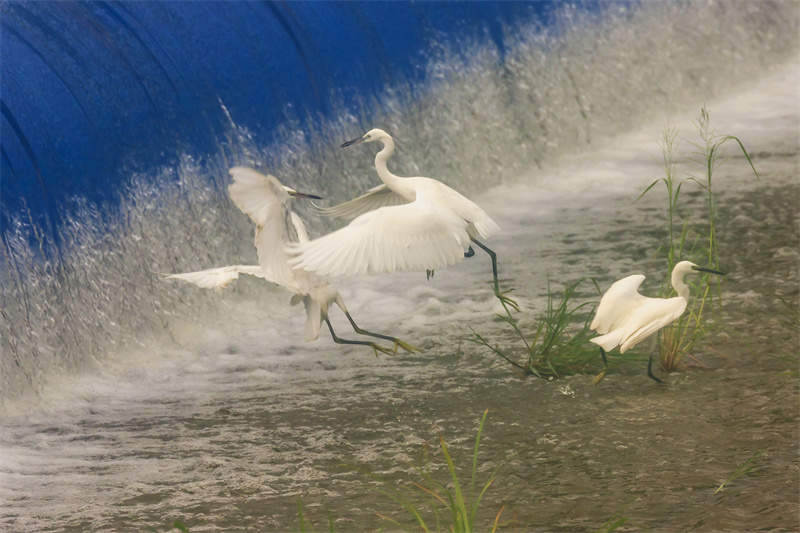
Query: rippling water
{"type": "Point", "coordinates": [229, 430]}
{"type": "Point", "coordinates": [219, 415]}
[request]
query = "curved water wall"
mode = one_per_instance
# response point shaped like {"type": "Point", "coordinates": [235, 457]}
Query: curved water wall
{"type": "Point", "coordinates": [94, 91]}
{"type": "Point", "coordinates": [120, 120]}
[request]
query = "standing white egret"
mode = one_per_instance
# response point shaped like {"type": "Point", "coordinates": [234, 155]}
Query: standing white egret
{"type": "Point", "coordinates": [267, 203]}
{"type": "Point", "coordinates": [405, 224]}
{"type": "Point", "coordinates": [625, 318]}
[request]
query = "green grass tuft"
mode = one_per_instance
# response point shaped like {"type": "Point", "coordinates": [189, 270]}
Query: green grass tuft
{"type": "Point", "coordinates": [460, 509]}
{"type": "Point", "coordinates": [559, 345]}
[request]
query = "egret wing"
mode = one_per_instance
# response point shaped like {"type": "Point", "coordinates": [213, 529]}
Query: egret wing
{"type": "Point", "coordinates": [610, 340]}
{"type": "Point", "coordinates": [413, 236]}
{"type": "Point", "coordinates": [259, 196]}
{"type": "Point", "coordinates": [380, 196]}
{"type": "Point", "coordinates": [618, 302]}
{"type": "Point", "coordinates": [651, 317]}
{"type": "Point", "coordinates": [266, 202]}
{"type": "Point", "coordinates": [219, 278]}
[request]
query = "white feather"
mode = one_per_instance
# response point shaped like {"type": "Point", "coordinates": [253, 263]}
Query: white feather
{"type": "Point", "coordinates": [375, 198]}
{"type": "Point", "coordinates": [219, 278]}
{"type": "Point", "coordinates": [267, 203]}
{"type": "Point", "coordinates": [625, 318]}
{"type": "Point", "coordinates": [413, 236]}
{"type": "Point", "coordinates": [412, 223]}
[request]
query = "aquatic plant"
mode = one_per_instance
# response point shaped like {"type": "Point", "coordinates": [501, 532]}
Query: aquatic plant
{"type": "Point", "coordinates": [743, 470]}
{"type": "Point", "coordinates": [688, 241]}
{"type": "Point", "coordinates": [462, 508]}
{"type": "Point", "coordinates": [558, 346]}
{"type": "Point", "coordinates": [305, 525]}
{"type": "Point", "coordinates": [177, 524]}
{"type": "Point", "coordinates": [613, 523]}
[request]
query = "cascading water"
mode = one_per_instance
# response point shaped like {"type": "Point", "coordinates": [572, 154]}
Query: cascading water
{"type": "Point", "coordinates": [130, 400]}
{"type": "Point", "coordinates": [478, 121]}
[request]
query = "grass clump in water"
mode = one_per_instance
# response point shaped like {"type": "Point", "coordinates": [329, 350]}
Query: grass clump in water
{"type": "Point", "coordinates": [691, 241]}
{"type": "Point", "coordinates": [558, 346]}
{"type": "Point", "coordinates": [459, 501]}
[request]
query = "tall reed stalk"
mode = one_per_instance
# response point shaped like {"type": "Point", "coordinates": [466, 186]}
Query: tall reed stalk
{"type": "Point", "coordinates": [689, 240]}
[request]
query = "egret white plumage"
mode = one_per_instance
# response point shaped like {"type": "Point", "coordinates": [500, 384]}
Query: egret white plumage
{"type": "Point", "coordinates": [625, 318]}
{"type": "Point", "coordinates": [413, 223]}
{"type": "Point", "coordinates": [267, 202]}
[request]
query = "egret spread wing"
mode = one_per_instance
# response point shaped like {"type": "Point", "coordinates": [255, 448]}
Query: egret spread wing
{"type": "Point", "coordinates": [413, 236]}
{"type": "Point", "coordinates": [266, 202]}
{"type": "Point", "coordinates": [653, 315]}
{"type": "Point", "coordinates": [219, 278]}
{"type": "Point", "coordinates": [618, 301]}
{"type": "Point", "coordinates": [259, 196]}
{"type": "Point", "coordinates": [380, 196]}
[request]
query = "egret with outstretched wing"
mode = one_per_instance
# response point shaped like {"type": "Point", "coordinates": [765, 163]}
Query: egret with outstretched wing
{"type": "Point", "coordinates": [267, 202]}
{"type": "Point", "coordinates": [412, 223]}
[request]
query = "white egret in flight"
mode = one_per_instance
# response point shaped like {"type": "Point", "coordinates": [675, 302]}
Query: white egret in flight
{"type": "Point", "coordinates": [267, 203]}
{"type": "Point", "coordinates": [625, 318]}
{"type": "Point", "coordinates": [405, 224]}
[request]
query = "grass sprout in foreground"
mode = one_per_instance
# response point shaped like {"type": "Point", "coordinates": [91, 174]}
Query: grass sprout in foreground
{"type": "Point", "coordinates": [305, 525]}
{"type": "Point", "coordinates": [741, 471]}
{"type": "Point", "coordinates": [689, 240]}
{"type": "Point", "coordinates": [459, 501]}
{"type": "Point", "coordinates": [177, 524]}
{"type": "Point", "coordinates": [558, 346]}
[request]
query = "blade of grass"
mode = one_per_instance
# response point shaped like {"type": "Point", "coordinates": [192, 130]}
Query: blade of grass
{"type": "Point", "coordinates": [741, 471]}
{"type": "Point", "coordinates": [497, 520]}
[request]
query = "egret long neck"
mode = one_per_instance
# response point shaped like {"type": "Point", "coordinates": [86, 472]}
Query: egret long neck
{"type": "Point", "coordinates": [678, 284]}
{"type": "Point", "coordinates": [395, 183]}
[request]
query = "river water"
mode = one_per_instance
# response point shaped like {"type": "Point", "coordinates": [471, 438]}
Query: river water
{"type": "Point", "coordinates": [229, 420]}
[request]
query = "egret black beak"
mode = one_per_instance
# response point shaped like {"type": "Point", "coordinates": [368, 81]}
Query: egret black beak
{"type": "Point", "coordinates": [709, 270]}
{"type": "Point", "coordinates": [303, 195]}
{"type": "Point", "coordinates": [350, 143]}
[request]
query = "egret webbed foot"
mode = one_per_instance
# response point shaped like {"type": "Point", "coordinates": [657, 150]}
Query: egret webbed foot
{"type": "Point", "coordinates": [378, 348]}
{"type": "Point", "coordinates": [404, 345]}
{"type": "Point", "coordinates": [505, 300]}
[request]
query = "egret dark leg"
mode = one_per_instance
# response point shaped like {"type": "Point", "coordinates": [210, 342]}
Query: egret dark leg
{"type": "Point", "coordinates": [602, 373]}
{"type": "Point", "coordinates": [469, 253]}
{"type": "Point", "coordinates": [397, 342]}
{"type": "Point", "coordinates": [650, 369]}
{"type": "Point", "coordinates": [503, 298]}
{"type": "Point", "coordinates": [338, 340]}
{"type": "Point", "coordinates": [653, 348]}
{"type": "Point", "coordinates": [494, 262]}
